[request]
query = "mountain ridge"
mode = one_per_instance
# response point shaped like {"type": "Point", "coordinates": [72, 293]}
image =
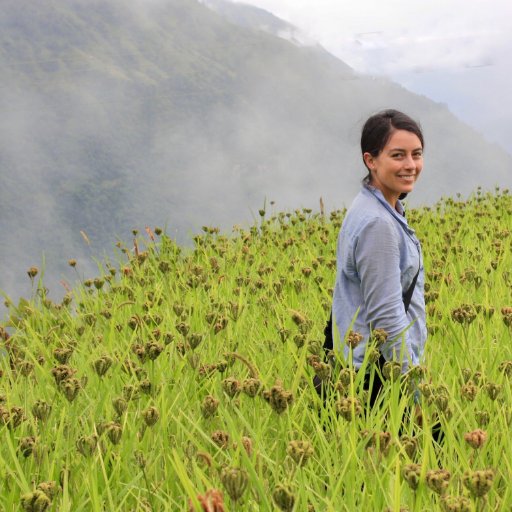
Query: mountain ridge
{"type": "Point", "coordinates": [122, 114]}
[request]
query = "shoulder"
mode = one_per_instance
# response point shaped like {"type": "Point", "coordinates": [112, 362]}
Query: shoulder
{"type": "Point", "coordinates": [366, 213]}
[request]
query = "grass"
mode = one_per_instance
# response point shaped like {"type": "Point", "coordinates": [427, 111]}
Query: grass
{"type": "Point", "coordinates": [176, 372]}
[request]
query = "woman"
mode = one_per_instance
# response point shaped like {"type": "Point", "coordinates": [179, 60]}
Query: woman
{"type": "Point", "coordinates": [378, 255]}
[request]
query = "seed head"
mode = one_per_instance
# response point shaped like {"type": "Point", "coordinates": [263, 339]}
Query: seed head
{"type": "Point", "coordinates": [120, 405]}
{"type": "Point", "coordinates": [62, 372]}
{"type": "Point", "coordinates": [410, 445]}
{"type": "Point", "coordinates": [50, 488]}
{"type": "Point", "coordinates": [322, 370]}
{"type": "Point", "coordinates": [247, 444]}
{"type": "Point", "coordinates": [469, 391]}
{"type": "Point", "coordinates": [476, 439]}
{"type": "Point", "coordinates": [411, 474]}
{"type": "Point", "coordinates": [349, 407]}
{"type": "Point", "coordinates": [195, 339]}
{"type": "Point", "coordinates": [426, 389]}
{"type": "Point", "coordinates": [86, 445]}
{"type": "Point", "coordinates": [441, 399]}
{"type": "Point", "coordinates": [151, 416]}
{"type": "Point", "coordinates": [372, 354]}
{"type": "Point", "coordinates": [278, 398]}
{"type": "Point", "coordinates": [455, 504]}
{"type": "Point", "coordinates": [102, 365]}
{"type": "Point", "coordinates": [72, 263]}
{"type": "Point", "coordinates": [392, 370]}
{"type": "Point", "coordinates": [251, 386]}
{"type": "Point", "coordinates": [63, 354]}
{"type": "Point", "coordinates": [209, 406]}
{"type": "Point", "coordinates": [212, 501]}
{"type": "Point", "coordinates": [131, 392]}
{"type": "Point", "coordinates": [298, 317]}
{"type": "Point", "coordinates": [70, 388]}
{"type": "Point", "coordinates": [24, 367]}
{"type": "Point", "coordinates": [300, 451]}
{"type": "Point", "coordinates": [482, 418]}
{"type": "Point", "coordinates": [36, 501]}
{"type": "Point", "coordinates": [153, 350]}
{"type": "Point", "coordinates": [235, 481]}
{"type": "Point", "coordinates": [493, 390]}
{"type": "Point", "coordinates": [346, 376]}
{"type": "Point", "coordinates": [478, 483]}
{"type": "Point", "coordinates": [145, 386]}
{"type": "Point", "coordinates": [379, 337]}
{"type": "Point", "coordinates": [220, 438]}
{"type": "Point", "coordinates": [26, 445]}
{"type": "Point", "coordinates": [231, 386]}
{"type": "Point", "coordinates": [32, 272]}
{"type": "Point", "coordinates": [41, 410]}
{"type": "Point", "coordinates": [438, 480]}
{"type": "Point", "coordinates": [114, 432]}
{"type": "Point", "coordinates": [283, 497]}
{"type": "Point", "coordinates": [353, 339]}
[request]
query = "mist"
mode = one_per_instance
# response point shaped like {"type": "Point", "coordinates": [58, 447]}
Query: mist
{"type": "Point", "coordinates": [120, 115]}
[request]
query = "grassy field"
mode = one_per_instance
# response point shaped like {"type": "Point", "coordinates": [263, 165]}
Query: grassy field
{"type": "Point", "coordinates": [180, 379]}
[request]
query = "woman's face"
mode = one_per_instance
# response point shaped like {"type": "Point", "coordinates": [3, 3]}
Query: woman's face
{"type": "Point", "coordinates": [396, 168]}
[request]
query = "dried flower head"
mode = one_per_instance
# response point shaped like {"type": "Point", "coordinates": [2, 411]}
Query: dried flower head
{"type": "Point", "coordinates": [392, 370]}
{"type": "Point", "coordinates": [220, 438]}
{"type": "Point", "coordinates": [36, 501]}
{"type": "Point", "coordinates": [476, 439]}
{"type": "Point", "coordinates": [212, 501]}
{"type": "Point", "coordinates": [410, 445]}
{"type": "Point", "coordinates": [300, 451]}
{"type": "Point", "coordinates": [231, 386]}
{"type": "Point", "coordinates": [379, 337]}
{"type": "Point", "coordinates": [455, 504]}
{"type": "Point", "coordinates": [50, 488]}
{"type": "Point", "coordinates": [41, 410]}
{"type": "Point", "coordinates": [251, 386]}
{"type": "Point", "coordinates": [469, 391]}
{"type": "Point", "coordinates": [284, 497]}
{"type": "Point", "coordinates": [86, 445]}
{"type": "Point", "coordinates": [478, 483]}
{"type": "Point", "coordinates": [150, 416]}
{"type": "Point", "coordinates": [353, 339]}
{"type": "Point", "coordinates": [438, 480]}
{"type": "Point", "coordinates": [349, 407]}
{"type": "Point", "coordinates": [411, 474]}
{"type": "Point", "coordinates": [209, 406]}
{"type": "Point", "coordinates": [235, 481]}
{"type": "Point", "coordinates": [278, 398]}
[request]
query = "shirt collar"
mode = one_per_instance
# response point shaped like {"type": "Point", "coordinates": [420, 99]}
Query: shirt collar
{"type": "Point", "coordinates": [398, 212]}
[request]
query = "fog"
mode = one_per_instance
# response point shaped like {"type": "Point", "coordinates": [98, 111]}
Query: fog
{"type": "Point", "coordinates": [452, 52]}
{"type": "Point", "coordinates": [120, 115]}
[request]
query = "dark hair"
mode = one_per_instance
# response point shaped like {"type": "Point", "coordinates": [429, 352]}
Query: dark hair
{"type": "Point", "coordinates": [378, 129]}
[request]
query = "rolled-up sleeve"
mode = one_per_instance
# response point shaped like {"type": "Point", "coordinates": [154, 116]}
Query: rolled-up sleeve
{"type": "Point", "coordinates": [377, 260]}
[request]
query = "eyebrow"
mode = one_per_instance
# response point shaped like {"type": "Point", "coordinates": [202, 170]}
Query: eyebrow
{"type": "Point", "coordinates": [401, 149]}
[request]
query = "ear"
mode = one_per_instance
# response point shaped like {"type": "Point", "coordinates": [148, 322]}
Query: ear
{"type": "Point", "coordinates": [369, 160]}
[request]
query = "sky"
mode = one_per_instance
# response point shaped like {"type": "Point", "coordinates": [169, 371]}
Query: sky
{"type": "Point", "coordinates": [455, 52]}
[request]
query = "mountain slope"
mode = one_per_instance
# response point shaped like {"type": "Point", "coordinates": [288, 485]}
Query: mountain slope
{"type": "Point", "coordinates": [119, 114]}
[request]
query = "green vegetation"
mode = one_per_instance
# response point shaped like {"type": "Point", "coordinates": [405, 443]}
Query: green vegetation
{"type": "Point", "coordinates": [178, 375]}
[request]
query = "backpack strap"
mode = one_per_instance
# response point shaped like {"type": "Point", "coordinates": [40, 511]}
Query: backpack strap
{"type": "Point", "coordinates": [406, 298]}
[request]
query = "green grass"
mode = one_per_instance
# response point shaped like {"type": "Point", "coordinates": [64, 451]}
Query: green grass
{"type": "Point", "coordinates": [179, 326]}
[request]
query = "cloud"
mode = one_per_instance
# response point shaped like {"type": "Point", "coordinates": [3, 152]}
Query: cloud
{"type": "Point", "coordinates": [398, 35]}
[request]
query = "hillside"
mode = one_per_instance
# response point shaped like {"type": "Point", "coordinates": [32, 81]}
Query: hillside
{"type": "Point", "coordinates": [175, 372]}
{"type": "Point", "coordinates": [119, 114]}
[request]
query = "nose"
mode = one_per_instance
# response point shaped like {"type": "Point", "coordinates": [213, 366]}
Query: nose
{"type": "Point", "coordinates": [409, 162]}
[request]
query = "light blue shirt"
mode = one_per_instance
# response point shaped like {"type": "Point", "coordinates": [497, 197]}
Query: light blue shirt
{"type": "Point", "coordinates": [378, 256]}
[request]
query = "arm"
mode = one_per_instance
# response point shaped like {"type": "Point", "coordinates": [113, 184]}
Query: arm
{"type": "Point", "coordinates": [377, 259]}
